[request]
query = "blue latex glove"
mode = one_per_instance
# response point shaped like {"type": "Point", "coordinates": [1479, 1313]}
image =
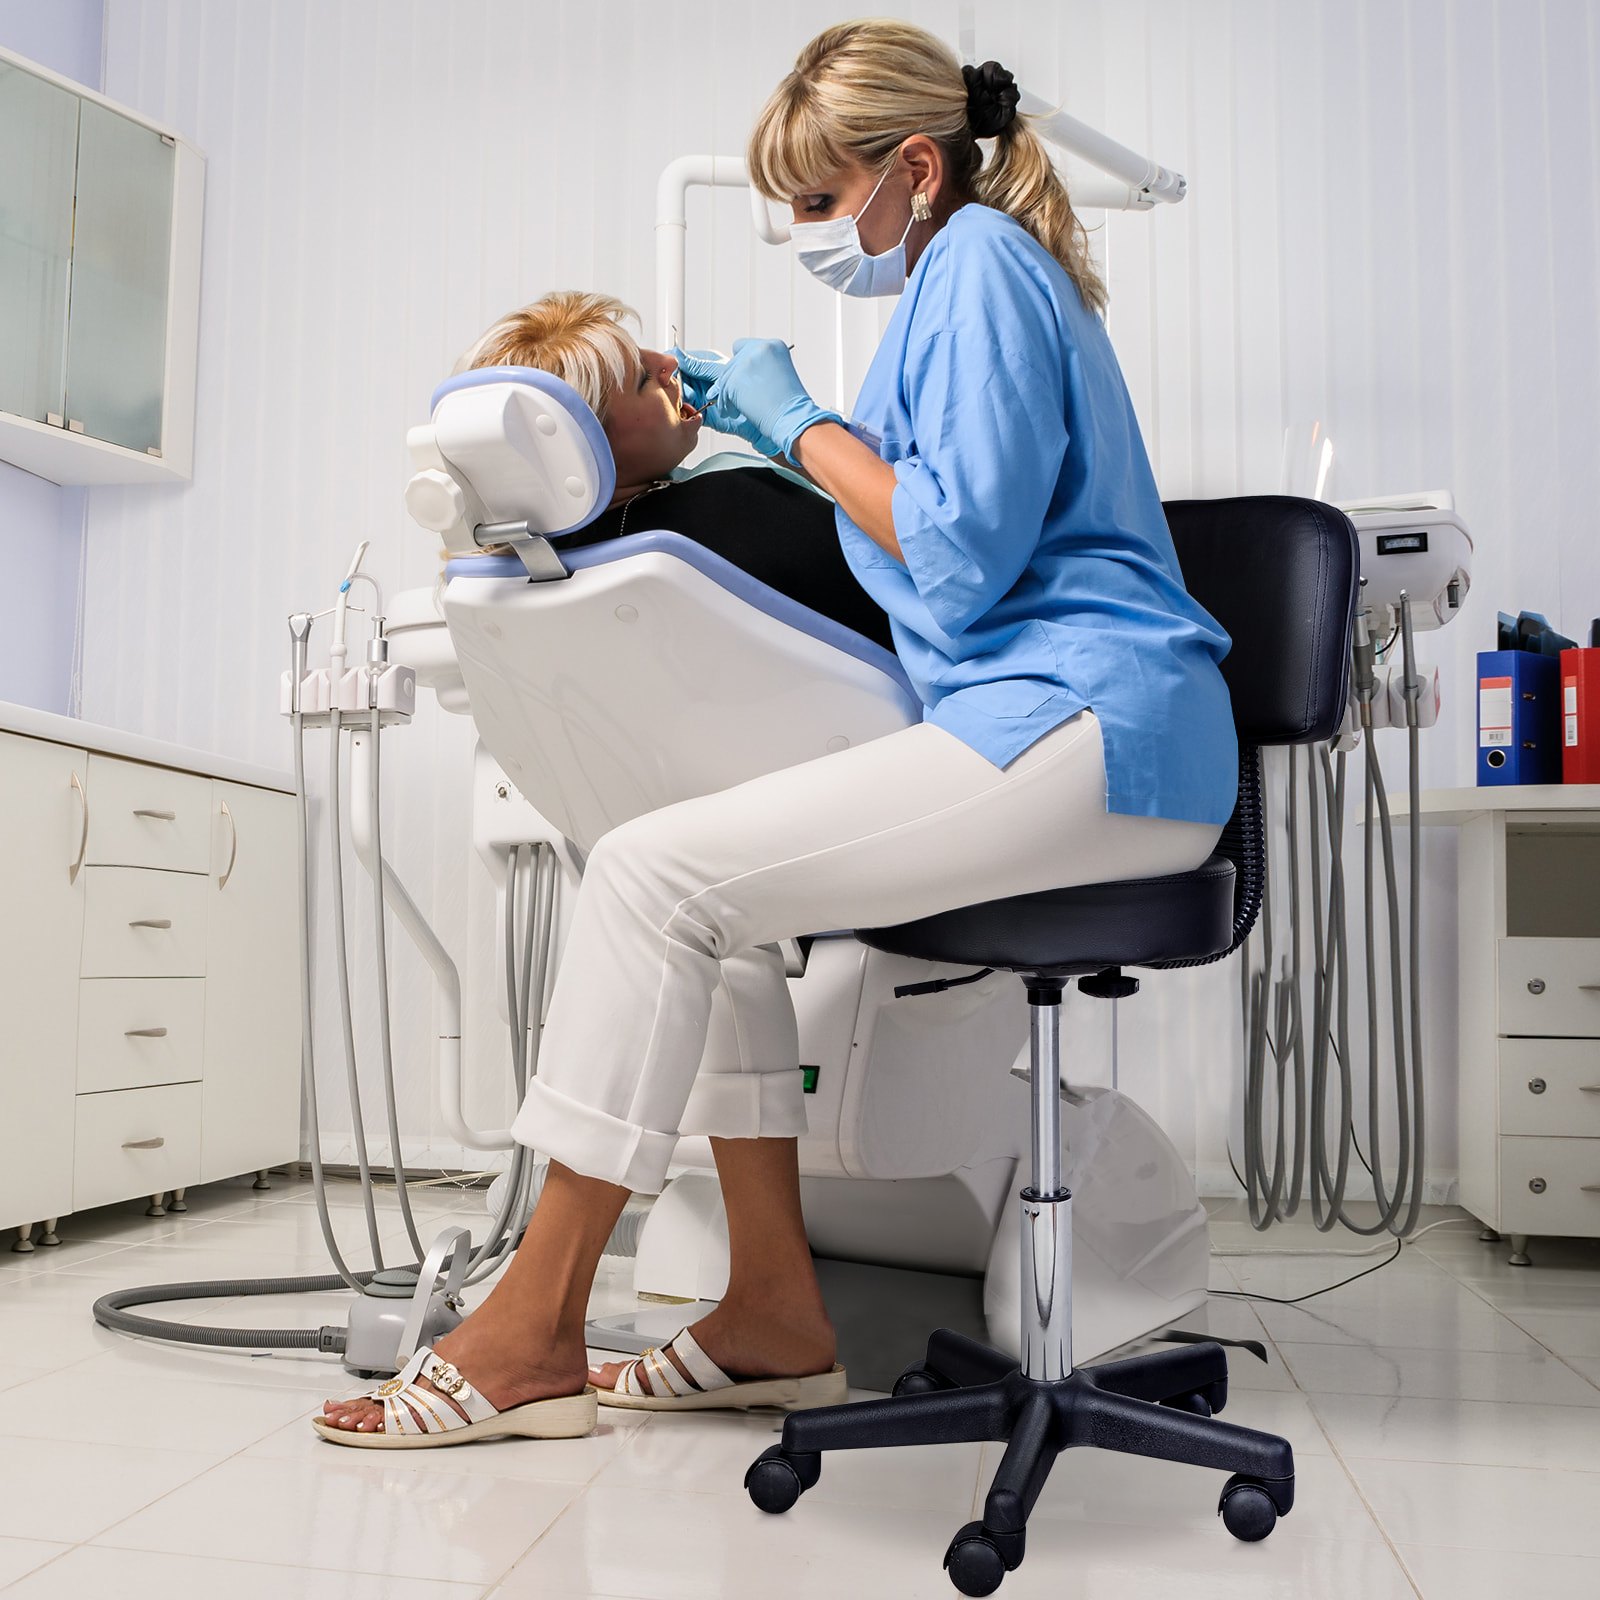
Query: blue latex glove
{"type": "Point", "coordinates": [700, 371]}
{"type": "Point", "coordinates": [759, 396]}
{"type": "Point", "coordinates": [697, 371]}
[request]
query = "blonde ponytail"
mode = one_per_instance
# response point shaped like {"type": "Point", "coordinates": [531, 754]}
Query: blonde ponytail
{"type": "Point", "coordinates": [860, 90]}
{"type": "Point", "coordinates": [1021, 180]}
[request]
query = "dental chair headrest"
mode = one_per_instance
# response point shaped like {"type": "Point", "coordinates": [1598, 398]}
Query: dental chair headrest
{"type": "Point", "coordinates": [508, 444]}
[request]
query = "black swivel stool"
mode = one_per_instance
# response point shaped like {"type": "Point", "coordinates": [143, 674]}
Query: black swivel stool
{"type": "Point", "coordinates": [1281, 576]}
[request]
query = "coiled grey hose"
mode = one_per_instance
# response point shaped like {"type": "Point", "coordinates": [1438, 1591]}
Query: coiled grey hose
{"type": "Point", "coordinates": [110, 1309]}
{"type": "Point", "coordinates": [308, 1063]}
{"type": "Point", "coordinates": [1273, 1024]}
{"type": "Point", "coordinates": [342, 985]}
{"type": "Point", "coordinates": [533, 931]}
{"type": "Point", "coordinates": [1331, 997]}
{"type": "Point", "coordinates": [381, 961]}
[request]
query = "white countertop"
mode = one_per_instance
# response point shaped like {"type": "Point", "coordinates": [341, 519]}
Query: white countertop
{"type": "Point", "coordinates": [137, 747]}
{"type": "Point", "coordinates": [1451, 806]}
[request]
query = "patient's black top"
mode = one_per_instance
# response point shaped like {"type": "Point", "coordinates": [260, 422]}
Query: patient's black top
{"type": "Point", "coordinates": [763, 523]}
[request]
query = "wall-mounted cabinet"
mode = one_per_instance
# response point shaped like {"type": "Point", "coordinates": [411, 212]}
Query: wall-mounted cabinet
{"type": "Point", "coordinates": [100, 218]}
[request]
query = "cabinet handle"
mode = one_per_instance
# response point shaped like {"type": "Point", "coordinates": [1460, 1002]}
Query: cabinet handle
{"type": "Point", "coordinates": [1589, 988]}
{"type": "Point", "coordinates": [151, 922]}
{"type": "Point", "coordinates": [144, 1144]}
{"type": "Point", "coordinates": [233, 848]}
{"type": "Point", "coordinates": [1589, 1088]}
{"type": "Point", "coordinates": [1589, 1188]}
{"type": "Point", "coordinates": [159, 816]}
{"type": "Point", "coordinates": [145, 1033]}
{"type": "Point", "coordinates": [83, 838]}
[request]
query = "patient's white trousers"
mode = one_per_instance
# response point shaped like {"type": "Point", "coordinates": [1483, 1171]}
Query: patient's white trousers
{"type": "Point", "coordinates": [670, 1012]}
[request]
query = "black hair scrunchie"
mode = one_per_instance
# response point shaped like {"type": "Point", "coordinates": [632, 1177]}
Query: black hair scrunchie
{"type": "Point", "coordinates": [992, 96]}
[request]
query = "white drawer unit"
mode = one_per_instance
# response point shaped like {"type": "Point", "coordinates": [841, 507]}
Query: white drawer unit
{"type": "Point", "coordinates": [139, 923]}
{"type": "Point", "coordinates": [1550, 988]}
{"type": "Point", "coordinates": [137, 1032]}
{"type": "Point", "coordinates": [1550, 1186]}
{"type": "Point", "coordinates": [1550, 1086]}
{"type": "Point", "coordinates": [149, 977]}
{"type": "Point", "coordinates": [1528, 1100]}
{"type": "Point", "coordinates": [144, 816]}
{"type": "Point", "coordinates": [135, 1141]}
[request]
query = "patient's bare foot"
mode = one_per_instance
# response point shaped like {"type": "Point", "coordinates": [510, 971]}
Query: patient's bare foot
{"type": "Point", "coordinates": [747, 1346]}
{"type": "Point", "coordinates": [498, 1358]}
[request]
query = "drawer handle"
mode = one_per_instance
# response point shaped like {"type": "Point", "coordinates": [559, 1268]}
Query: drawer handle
{"type": "Point", "coordinates": [1589, 1188]}
{"type": "Point", "coordinates": [158, 816]}
{"type": "Point", "coordinates": [145, 1144]}
{"type": "Point", "coordinates": [1589, 988]}
{"type": "Point", "coordinates": [151, 922]}
{"type": "Point", "coordinates": [1589, 1088]}
{"type": "Point", "coordinates": [145, 1033]}
{"type": "Point", "coordinates": [233, 850]}
{"type": "Point", "coordinates": [83, 838]}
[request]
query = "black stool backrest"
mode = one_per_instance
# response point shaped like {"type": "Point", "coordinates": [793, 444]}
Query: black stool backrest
{"type": "Point", "coordinates": [1282, 577]}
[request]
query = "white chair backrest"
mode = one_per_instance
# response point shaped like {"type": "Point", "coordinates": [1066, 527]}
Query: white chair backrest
{"type": "Point", "coordinates": [640, 671]}
{"type": "Point", "coordinates": [656, 673]}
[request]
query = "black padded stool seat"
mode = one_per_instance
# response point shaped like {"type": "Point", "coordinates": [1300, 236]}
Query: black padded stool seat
{"type": "Point", "coordinates": [1084, 929]}
{"type": "Point", "coordinates": [1281, 576]}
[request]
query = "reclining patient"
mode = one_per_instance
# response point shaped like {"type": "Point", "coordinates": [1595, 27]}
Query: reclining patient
{"type": "Point", "coordinates": [763, 519]}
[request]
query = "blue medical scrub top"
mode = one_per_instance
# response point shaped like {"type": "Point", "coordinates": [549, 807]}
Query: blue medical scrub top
{"type": "Point", "coordinates": [1039, 576]}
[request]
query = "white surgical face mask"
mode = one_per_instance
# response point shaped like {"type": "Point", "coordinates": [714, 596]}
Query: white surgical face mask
{"type": "Point", "coordinates": [832, 251]}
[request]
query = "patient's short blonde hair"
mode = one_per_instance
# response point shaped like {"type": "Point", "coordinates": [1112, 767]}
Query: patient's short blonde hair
{"type": "Point", "coordinates": [577, 336]}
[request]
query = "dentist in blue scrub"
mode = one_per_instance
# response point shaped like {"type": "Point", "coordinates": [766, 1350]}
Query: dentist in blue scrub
{"type": "Point", "coordinates": [994, 497]}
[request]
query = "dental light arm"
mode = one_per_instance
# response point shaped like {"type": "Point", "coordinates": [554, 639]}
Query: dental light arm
{"type": "Point", "coordinates": [1130, 182]}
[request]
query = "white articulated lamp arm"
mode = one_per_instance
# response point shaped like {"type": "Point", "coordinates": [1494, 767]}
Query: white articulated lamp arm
{"type": "Point", "coordinates": [1139, 183]}
{"type": "Point", "coordinates": [1131, 182]}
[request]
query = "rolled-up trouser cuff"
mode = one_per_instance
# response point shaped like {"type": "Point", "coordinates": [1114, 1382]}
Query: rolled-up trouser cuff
{"type": "Point", "coordinates": [592, 1142]}
{"type": "Point", "coordinates": [747, 1105]}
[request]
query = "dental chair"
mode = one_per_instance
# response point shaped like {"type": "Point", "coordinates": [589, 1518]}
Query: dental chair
{"type": "Point", "coordinates": [1281, 576]}
{"type": "Point", "coordinates": [610, 679]}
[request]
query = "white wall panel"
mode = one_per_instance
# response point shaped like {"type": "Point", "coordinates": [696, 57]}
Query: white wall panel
{"type": "Point", "coordinates": [1391, 230]}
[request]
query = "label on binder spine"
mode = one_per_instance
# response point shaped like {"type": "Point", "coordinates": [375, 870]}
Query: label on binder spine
{"type": "Point", "coordinates": [1494, 711]}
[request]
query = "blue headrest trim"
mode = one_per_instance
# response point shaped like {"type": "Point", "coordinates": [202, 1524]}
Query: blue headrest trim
{"type": "Point", "coordinates": [570, 401]}
{"type": "Point", "coordinates": [723, 573]}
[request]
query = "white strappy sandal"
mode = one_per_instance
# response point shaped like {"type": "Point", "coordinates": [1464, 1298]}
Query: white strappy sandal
{"type": "Point", "coordinates": [416, 1419]}
{"type": "Point", "coordinates": [707, 1387]}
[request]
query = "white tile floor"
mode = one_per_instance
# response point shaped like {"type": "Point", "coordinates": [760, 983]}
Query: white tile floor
{"type": "Point", "coordinates": [1445, 1413]}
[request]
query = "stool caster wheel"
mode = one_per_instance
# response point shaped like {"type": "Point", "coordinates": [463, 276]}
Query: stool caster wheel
{"type": "Point", "coordinates": [1197, 1404]}
{"type": "Point", "coordinates": [974, 1561]}
{"type": "Point", "coordinates": [919, 1380]}
{"type": "Point", "coordinates": [775, 1481]}
{"type": "Point", "coordinates": [1246, 1509]}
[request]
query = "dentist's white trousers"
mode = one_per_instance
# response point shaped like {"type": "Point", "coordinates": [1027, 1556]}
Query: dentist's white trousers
{"type": "Point", "coordinates": [670, 1012]}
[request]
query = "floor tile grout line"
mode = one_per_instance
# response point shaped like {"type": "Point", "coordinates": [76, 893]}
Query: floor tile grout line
{"type": "Point", "coordinates": [1371, 1510]}
{"type": "Point", "coordinates": [583, 1489]}
{"type": "Point", "coordinates": [1470, 1287]}
{"type": "Point", "coordinates": [279, 1566]}
{"type": "Point", "coordinates": [1338, 1455]}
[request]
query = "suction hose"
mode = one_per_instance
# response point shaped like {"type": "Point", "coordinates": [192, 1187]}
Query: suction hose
{"type": "Point", "coordinates": [1271, 1001]}
{"type": "Point", "coordinates": [523, 1180]}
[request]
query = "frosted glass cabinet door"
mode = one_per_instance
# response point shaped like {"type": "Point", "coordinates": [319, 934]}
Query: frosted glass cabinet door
{"type": "Point", "coordinates": [38, 148]}
{"type": "Point", "coordinates": [117, 323]}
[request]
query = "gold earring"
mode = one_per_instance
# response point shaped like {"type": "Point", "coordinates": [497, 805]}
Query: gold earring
{"type": "Point", "coordinates": [921, 211]}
